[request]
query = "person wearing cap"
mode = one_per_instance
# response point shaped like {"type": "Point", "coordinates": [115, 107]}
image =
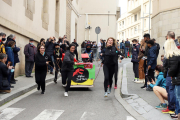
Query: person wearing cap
{"type": "Point", "coordinates": [57, 59]}
{"type": "Point", "coordinates": [29, 52]}
{"type": "Point", "coordinates": [2, 43]}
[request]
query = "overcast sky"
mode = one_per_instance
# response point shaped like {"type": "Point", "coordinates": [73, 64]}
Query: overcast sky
{"type": "Point", "coordinates": [123, 5]}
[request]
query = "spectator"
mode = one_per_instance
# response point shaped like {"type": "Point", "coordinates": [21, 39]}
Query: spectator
{"type": "Point", "coordinates": [141, 62]}
{"type": "Point", "coordinates": [99, 48]}
{"type": "Point", "coordinates": [10, 60]}
{"type": "Point", "coordinates": [57, 60]}
{"type": "Point", "coordinates": [158, 47]}
{"type": "Point", "coordinates": [122, 46]}
{"type": "Point", "coordinates": [127, 46]}
{"type": "Point", "coordinates": [170, 88]}
{"type": "Point", "coordinates": [12, 37]}
{"type": "Point", "coordinates": [134, 60]}
{"type": "Point", "coordinates": [151, 62]}
{"type": "Point", "coordinates": [30, 52]}
{"type": "Point", "coordinates": [83, 45]}
{"type": "Point", "coordinates": [159, 87]}
{"type": "Point", "coordinates": [118, 45]}
{"type": "Point", "coordinates": [75, 52]}
{"type": "Point", "coordinates": [42, 42]}
{"type": "Point", "coordinates": [172, 54]}
{"type": "Point", "coordinates": [4, 73]}
{"type": "Point", "coordinates": [49, 50]}
{"type": "Point", "coordinates": [2, 43]}
{"type": "Point", "coordinates": [145, 52]}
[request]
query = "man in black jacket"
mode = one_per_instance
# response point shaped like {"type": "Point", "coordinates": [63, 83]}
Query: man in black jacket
{"type": "Point", "coordinates": [50, 49]}
{"type": "Point", "coordinates": [30, 52]}
{"type": "Point", "coordinates": [158, 47]}
{"type": "Point", "coordinates": [75, 52]}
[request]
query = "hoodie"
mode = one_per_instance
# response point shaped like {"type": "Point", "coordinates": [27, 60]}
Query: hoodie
{"type": "Point", "coordinates": [161, 81]}
{"type": "Point", "coordinates": [152, 57]}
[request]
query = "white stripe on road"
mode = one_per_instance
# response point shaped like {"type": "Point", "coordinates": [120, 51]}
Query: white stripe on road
{"type": "Point", "coordinates": [9, 113]}
{"type": "Point", "coordinates": [130, 118]}
{"type": "Point", "coordinates": [85, 115]}
{"type": "Point", "coordinates": [49, 115]}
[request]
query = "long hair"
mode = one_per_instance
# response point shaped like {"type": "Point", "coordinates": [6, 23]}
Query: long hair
{"type": "Point", "coordinates": [114, 42]}
{"type": "Point", "coordinates": [171, 49]}
{"type": "Point", "coordinates": [40, 47]}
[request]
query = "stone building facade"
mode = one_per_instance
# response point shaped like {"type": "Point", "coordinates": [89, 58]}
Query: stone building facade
{"type": "Point", "coordinates": [165, 17]}
{"type": "Point", "coordinates": [135, 22]}
{"type": "Point", "coordinates": [44, 18]}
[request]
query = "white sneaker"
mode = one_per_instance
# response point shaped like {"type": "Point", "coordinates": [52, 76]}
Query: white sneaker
{"type": "Point", "coordinates": [64, 85]}
{"type": "Point", "coordinates": [105, 94]}
{"type": "Point", "coordinates": [65, 94]}
{"type": "Point", "coordinates": [139, 81]}
{"type": "Point", "coordinates": [135, 80]}
{"type": "Point", "coordinates": [109, 90]}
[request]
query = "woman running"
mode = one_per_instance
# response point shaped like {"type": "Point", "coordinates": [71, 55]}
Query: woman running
{"type": "Point", "coordinates": [109, 62]}
{"type": "Point", "coordinates": [68, 68]}
{"type": "Point", "coordinates": [42, 60]}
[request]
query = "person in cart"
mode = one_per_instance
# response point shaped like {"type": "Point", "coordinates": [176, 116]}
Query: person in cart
{"type": "Point", "coordinates": [90, 54]}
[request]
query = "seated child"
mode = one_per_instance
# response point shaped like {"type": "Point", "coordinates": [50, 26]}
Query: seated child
{"type": "Point", "coordinates": [159, 87]}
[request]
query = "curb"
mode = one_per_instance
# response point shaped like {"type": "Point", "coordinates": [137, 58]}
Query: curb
{"type": "Point", "coordinates": [16, 93]}
{"type": "Point", "coordinates": [118, 95]}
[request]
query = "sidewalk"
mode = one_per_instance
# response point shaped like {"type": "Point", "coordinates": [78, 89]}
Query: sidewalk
{"type": "Point", "coordinates": [22, 86]}
{"type": "Point", "coordinates": [142, 101]}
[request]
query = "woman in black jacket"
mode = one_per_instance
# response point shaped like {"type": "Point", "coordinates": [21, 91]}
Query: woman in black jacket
{"type": "Point", "coordinates": [109, 62]}
{"type": "Point", "coordinates": [68, 68]}
{"type": "Point", "coordinates": [42, 60]}
{"type": "Point", "coordinates": [4, 72]}
{"type": "Point", "coordinates": [171, 65]}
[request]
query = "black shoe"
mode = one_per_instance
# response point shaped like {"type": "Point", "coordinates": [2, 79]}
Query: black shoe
{"type": "Point", "coordinates": [11, 86]}
{"type": "Point", "coordinates": [55, 80]}
{"type": "Point", "coordinates": [15, 80]}
{"type": "Point", "coordinates": [42, 92]}
{"type": "Point", "coordinates": [143, 87]}
{"type": "Point", "coordinates": [52, 73]}
{"type": "Point", "coordinates": [31, 76]}
{"type": "Point", "coordinates": [12, 82]}
{"type": "Point", "coordinates": [149, 89]}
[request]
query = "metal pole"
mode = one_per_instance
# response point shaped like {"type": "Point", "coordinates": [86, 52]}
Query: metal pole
{"type": "Point", "coordinates": [97, 48]}
{"type": "Point", "coordinates": [108, 18]}
{"type": "Point", "coordinates": [149, 14]}
{"type": "Point", "coordinates": [143, 23]}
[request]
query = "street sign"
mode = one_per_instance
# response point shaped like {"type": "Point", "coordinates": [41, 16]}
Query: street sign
{"type": "Point", "coordinates": [98, 30]}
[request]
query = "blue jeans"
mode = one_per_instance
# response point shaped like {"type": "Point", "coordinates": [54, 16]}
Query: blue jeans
{"type": "Point", "coordinates": [126, 51]}
{"type": "Point", "coordinates": [177, 94]}
{"type": "Point", "coordinates": [51, 68]}
{"type": "Point", "coordinates": [171, 97]}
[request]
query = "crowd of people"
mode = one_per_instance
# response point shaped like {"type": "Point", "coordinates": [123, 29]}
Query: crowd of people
{"type": "Point", "coordinates": [47, 56]}
{"type": "Point", "coordinates": [163, 78]}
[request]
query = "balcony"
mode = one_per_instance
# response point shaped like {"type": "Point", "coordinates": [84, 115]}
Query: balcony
{"type": "Point", "coordinates": [134, 7]}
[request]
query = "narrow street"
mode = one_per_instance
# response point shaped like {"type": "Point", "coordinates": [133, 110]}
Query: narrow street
{"type": "Point", "coordinates": [82, 104]}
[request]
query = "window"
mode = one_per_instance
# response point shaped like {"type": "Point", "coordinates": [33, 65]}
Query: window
{"type": "Point", "coordinates": [122, 23]}
{"type": "Point", "coordinates": [29, 8]}
{"type": "Point", "coordinates": [132, 32]}
{"type": "Point", "coordinates": [45, 15]}
{"type": "Point", "coordinates": [144, 23]}
{"type": "Point", "coordinates": [57, 16]}
{"type": "Point", "coordinates": [144, 8]}
{"type": "Point", "coordinates": [135, 30]}
{"type": "Point", "coordinates": [131, 19]}
{"type": "Point", "coordinates": [135, 18]}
